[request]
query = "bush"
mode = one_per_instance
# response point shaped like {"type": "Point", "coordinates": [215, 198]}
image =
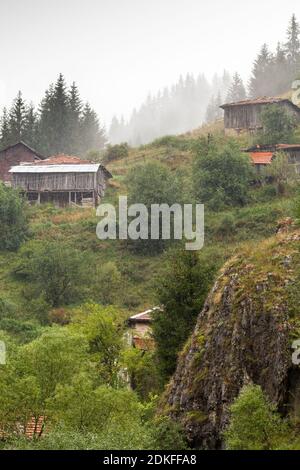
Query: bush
{"type": "Point", "coordinates": [168, 435]}
{"type": "Point", "coordinates": [108, 283]}
{"type": "Point", "coordinates": [226, 226]}
{"type": "Point", "coordinates": [254, 424]}
{"type": "Point", "coordinates": [143, 371]}
{"type": "Point", "coordinates": [114, 152]}
{"type": "Point", "coordinates": [172, 142]}
{"type": "Point", "coordinates": [152, 183]}
{"type": "Point", "coordinates": [57, 271]}
{"type": "Point", "coordinates": [278, 125]}
{"type": "Point", "coordinates": [13, 218]}
{"type": "Point", "coordinates": [221, 175]}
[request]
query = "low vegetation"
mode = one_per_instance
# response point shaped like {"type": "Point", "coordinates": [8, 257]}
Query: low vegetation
{"type": "Point", "coordinates": [66, 296]}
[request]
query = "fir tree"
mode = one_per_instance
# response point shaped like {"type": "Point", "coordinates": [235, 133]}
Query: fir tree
{"type": "Point", "coordinates": [261, 79]}
{"type": "Point", "coordinates": [4, 130]}
{"type": "Point", "coordinates": [281, 80]}
{"type": "Point", "coordinates": [237, 90]}
{"type": "Point", "coordinates": [75, 110]}
{"type": "Point", "coordinates": [17, 119]}
{"type": "Point", "coordinates": [30, 127]}
{"type": "Point", "coordinates": [293, 45]}
{"type": "Point", "coordinates": [92, 135]}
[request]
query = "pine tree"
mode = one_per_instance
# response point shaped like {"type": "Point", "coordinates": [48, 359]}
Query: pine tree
{"type": "Point", "coordinates": [60, 114]}
{"type": "Point", "coordinates": [293, 45]}
{"type": "Point", "coordinates": [54, 114]}
{"type": "Point", "coordinates": [237, 90]}
{"type": "Point", "coordinates": [281, 80]}
{"type": "Point", "coordinates": [30, 127]}
{"type": "Point", "coordinates": [4, 130]}
{"type": "Point", "coordinates": [45, 128]}
{"type": "Point", "coordinates": [92, 135]}
{"type": "Point", "coordinates": [17, 119]}
{"type": "Point", "coordinates": [261, 79]}
{"type": "Point", "coordinates": [75, 110]}
{"type": "Point", "coordinates": [211, 110]}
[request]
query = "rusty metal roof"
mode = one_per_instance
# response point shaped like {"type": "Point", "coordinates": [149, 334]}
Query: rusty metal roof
{"type": "Point", "coordinates": [261, 100]}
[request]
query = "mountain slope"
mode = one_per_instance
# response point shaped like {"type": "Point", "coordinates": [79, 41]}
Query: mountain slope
{"type": "Point", "coordinates": [243, 334]}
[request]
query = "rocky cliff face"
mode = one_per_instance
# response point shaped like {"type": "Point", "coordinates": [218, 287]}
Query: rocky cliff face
{"type": "Point", "coordinates": [243, 334]}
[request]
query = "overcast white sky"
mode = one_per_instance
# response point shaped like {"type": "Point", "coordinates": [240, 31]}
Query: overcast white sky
{"type": "Point", "coordinates": [119, 50]}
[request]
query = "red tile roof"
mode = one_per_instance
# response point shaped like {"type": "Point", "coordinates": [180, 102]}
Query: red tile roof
{"type": "Point", "coordinates": [261, 158]}
{"type": "Point", "coordinates": [63, 159]}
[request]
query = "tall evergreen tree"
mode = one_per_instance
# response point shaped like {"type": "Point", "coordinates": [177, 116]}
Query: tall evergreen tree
{"type": "Point", "coordinates": [30, 127]}
{"type": "Point", "coordinates": [261, 79]}
{"type": "Point", "coordinates": [92, 135]}
{"type": "Point", "coordinates": [281, 81]}
{"type": "Point", "coordinates": [75, 110]}
{"type": "Point", "coordinates": [4, 129]}
{"type": "Point", "coordinates": [293, 45]}
{"type": "Point", "coordinates": [54, 113]}
{"type": "Point", "coordinates": [17, 119]}
{"type": "Point", "coordinates": [237, 90]}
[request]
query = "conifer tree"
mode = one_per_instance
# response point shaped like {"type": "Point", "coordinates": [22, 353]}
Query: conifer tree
{"type": "Point", "coordinates": [4, 130]}
{"type": "Point", "coordinates": [92, 135]}
{"type": "Point", "coordinates": [281, 81]}
{"type": "Point", "coordinates": [30, 127]}
{"type": "Point", "coordinates": [17, 119]}
{"type": "Point", "coordinates": [237, 90]}
{"type": "Point", "coordinates": [75, 110]}
{"type": "Point", "coordinates": [261, 79]}
{"type": "Point", "coordinates": [293, 44]}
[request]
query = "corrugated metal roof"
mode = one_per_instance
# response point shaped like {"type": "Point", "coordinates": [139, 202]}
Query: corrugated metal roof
{"type": "Point", "coordinates": [144, 316]}
{"type": "Point", "coordinates": [68, 168]}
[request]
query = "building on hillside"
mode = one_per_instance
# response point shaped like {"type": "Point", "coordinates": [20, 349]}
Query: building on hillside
{"type": "Point", "coordinates": [260, 154]}
{"type": "Point", "coordinates": [62, 180]}
{"type": "Point", "coordinates": [261, 159]}
{"type": "Point", "coordinates": [14, 155]}
{"type": "Point", "coordinates": [141, 332]}
{"type": "Point", "coordinates": [246, 115]}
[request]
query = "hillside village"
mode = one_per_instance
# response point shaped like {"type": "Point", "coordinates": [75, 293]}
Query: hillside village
{"type": "Point", "coordinates": [141, 344]}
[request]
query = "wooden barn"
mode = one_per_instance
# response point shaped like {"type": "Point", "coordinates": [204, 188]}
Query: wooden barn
{"type": "Point", "coordinates": [246, 115]}
{"type": "Point", "coordinates": [62, 180]}
{"type": "Point", "coordinates": [14, 155]}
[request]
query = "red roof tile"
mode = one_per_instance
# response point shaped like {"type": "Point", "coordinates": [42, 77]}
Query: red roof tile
{"type": "Point", "coordinates": [261, 158]}
{"type": "Point", "coordinates": [63, 159]}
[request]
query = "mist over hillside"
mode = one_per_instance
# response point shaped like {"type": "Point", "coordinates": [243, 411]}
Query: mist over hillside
{"type": "Point", "coordinates": [193, 100]}
{"type": "Point", "coordinates": [173, 110]}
